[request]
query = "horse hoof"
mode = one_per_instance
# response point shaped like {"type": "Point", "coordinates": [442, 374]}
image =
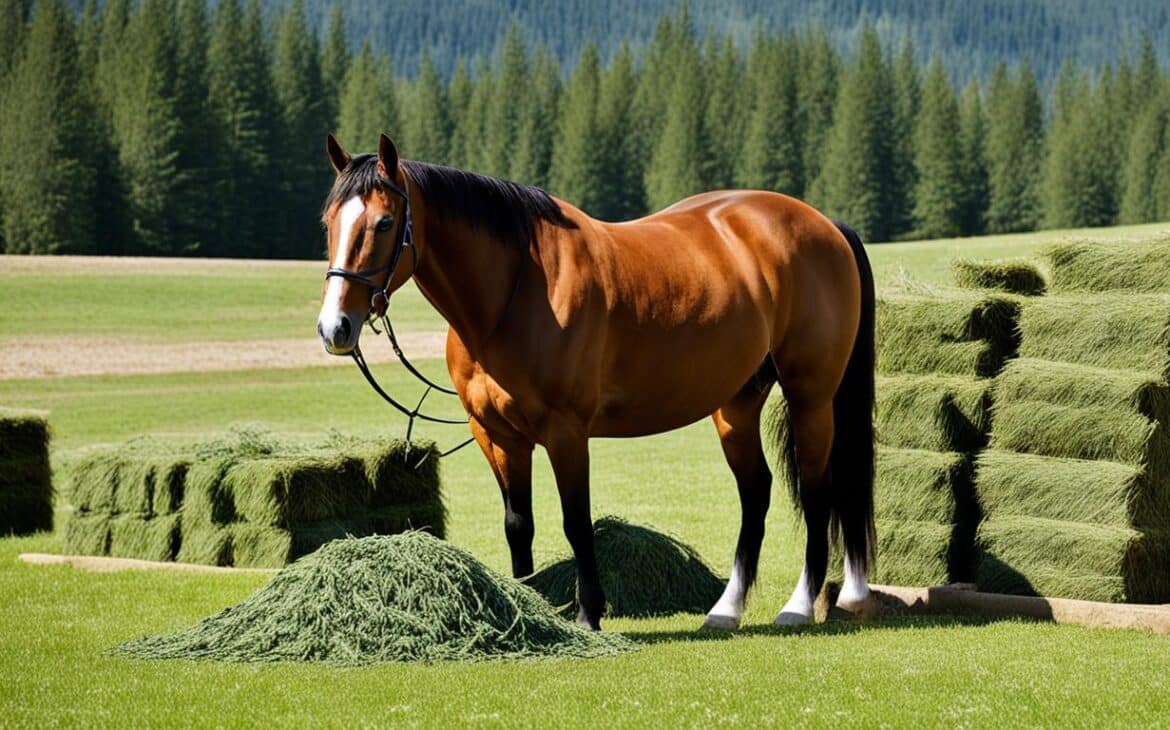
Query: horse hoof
{"type": "Point", "coordinates": [789, 618]}
{"type": "Point", "coordinates": [717, 622]}
{"type": "Point", "coordinates": [859, 609]}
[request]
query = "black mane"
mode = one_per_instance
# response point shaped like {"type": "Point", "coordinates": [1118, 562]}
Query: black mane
{"type": "Point", "coordinates": [507, 210]}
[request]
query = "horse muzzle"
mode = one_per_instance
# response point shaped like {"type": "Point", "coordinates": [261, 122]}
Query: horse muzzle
{"type": "Point", "coordinates": [339, 333]}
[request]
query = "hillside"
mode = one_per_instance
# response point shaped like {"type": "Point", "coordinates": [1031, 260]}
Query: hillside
{"type": "Point", "coordinates": [969, 34]}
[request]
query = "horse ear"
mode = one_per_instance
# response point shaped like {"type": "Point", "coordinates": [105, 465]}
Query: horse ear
{"type": "Point", "coordinates": [387, 157]}
{"type": "Point", "coordinates": [338, 157]}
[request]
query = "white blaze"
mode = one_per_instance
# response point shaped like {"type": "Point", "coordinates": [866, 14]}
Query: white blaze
{"type": "Point", "coordinates": [348, 216]}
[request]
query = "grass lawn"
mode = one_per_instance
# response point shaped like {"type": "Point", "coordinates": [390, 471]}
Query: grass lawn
{"type": "Point", "coordinates": [56, 624]}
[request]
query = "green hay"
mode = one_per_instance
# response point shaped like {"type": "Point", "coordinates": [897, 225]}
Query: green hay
{"type": "Point", "coordinates": [283, 492]}
{"type": "Point", "coordinates": [962, 333]}
{"type": "Point", "coordinates": [87, 534]}
{"type": "Point", "coordinates": [913, 553]}
{"type": "Point", "coordinates": [393, 475]}
{"type": "Point", "coordinates": [1141, 266]}
{"type": "Point", "coordinates": [1035, 556]}
{"type": "Point", "coordinates": [1016, 276]}
{"type": "Point", "coordinates": [409, 597]}
{"type": "Point", "coordinates": [143, 476]}
{"type": "Point", "coordinates": [1122, 331]}
{"type": "Point", "coordinates": [1080, 412]}
{"type": "Point", "coordinates": [936, 412]}
{"type": "Point", "coordinates": [923, 486]}
{"type": "Point", "coordinates": [204, 543]}
{"type": "Point", "coordinates": [154, 538]}
{"type": "Point", "coordinates": [1101, 492]}
{"type": "Point", "coordinates": [643, 573]}
{"type": "Point", "coordinates": [26, 479]}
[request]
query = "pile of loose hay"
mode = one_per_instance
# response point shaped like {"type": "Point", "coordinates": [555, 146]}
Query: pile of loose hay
{"type": "Point", "coordinates": [956, 333]}
{"type": "Point", "coordinates": [1139, 266]}
{"type": "Point", "coordinates": [643, 573]}
{"type": "Point", "coordinates": [26, 487]}
{"type": "Point", "coordinates": [1017, 276]}
{"type": "Point", "coordinates": [408, 597]}
{"type": "Point", "coordinates": [247, 499]}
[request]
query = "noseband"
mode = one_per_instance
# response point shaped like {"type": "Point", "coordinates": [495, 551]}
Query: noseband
{"type": "Point", "coordinates": [381, 310]}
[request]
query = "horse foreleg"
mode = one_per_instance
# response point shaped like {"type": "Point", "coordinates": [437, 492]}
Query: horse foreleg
{"type": "Point", "coordinates": [813, 429]}
{"type": "Point", "coordinates": [510, 457]}
{"type": "Point", "coordinates": [738, 424]}
{"type": "Point", "coordinates": [568, 451]}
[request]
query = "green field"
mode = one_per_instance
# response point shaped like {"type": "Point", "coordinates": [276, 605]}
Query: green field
{"type": "Point", "coordinates": [56, 624]}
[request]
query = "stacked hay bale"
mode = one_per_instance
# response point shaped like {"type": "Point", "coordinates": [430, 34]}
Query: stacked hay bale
{"type": "Point", "coordinates": [936, 354]}
{"type": "Point", "coordinates": [1076, 484]}
{"type": "Point", "coordinates": [247, 500]}
{"type": "Point", "coordinates": [26, 487]}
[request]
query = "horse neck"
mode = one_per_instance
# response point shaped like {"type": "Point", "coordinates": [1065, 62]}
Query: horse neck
{"type": "Point", "coordinates": [465, 274]}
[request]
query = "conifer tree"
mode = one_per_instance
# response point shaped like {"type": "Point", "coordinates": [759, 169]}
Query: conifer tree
{"type": "Point", "coordinates": [623, 197]}
{"type": "Point", "coordinates": [334, 64]}
{"type": "Point", "coordinates": [196, 216]}
{"type": "Point", "coordinates": [239, 88]}
{"type": "Point", "coordinates": [459, 93]}
{"type": "Point", "coordinates": [303, 174]}
{"type": "Point", "coordinates": [576, 173]}
{"type": "Point", "coordinates": [938, 193]}
{"type": "Point", "coordinates": [1015, 138]}
{"type": "Point", "coordinates": [146, 127]}
{"type": "Point", "coordinates": [772, 154]}
{"type": "Point", "coordinates": [1147, 148]}
{"type": "Point", "coordinates": [46, 166]}
{"type": "Point", "coordinates": [676, 168]}
{"type": "Point", "coordinates": [467, 145]}
{"type": "Point", "coordinates": [724, 120]}
{"type": "Point", "coordinates": [906, 87]}
{"type": "Point", "coordinates": [857, 177]}
{"type": "Point", "coordinates": [367, 101]}
{"type": "Point", "coordinates": [659, 69]}
{"type": "Point", "coordinates": [817, 72]}
{"type": "Point", "coordinates": [1077, 173]}
{"type": "Point", "coordinates": [505, 105]}
{"type": "Point", "coordinates": [426, 124]}
{"type": "Point", "coordinates": [532, 155]}
{"type": "Point", "coordinates": [973, 156]}
{"type": "Point", "coordinates": [1147, 79]}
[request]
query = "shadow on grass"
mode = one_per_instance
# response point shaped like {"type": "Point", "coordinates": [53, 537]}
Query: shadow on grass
{"type": "Point", "coordinates": [828, 628]}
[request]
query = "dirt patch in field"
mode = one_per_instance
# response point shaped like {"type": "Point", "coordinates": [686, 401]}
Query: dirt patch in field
{"type": "Point", "coordinates": [106, 265]}
{"type": "Point", "coordinates": [71, 355]}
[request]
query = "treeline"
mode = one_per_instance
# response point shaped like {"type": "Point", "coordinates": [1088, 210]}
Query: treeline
{"type": "Point", "coordinates": [165, 128]}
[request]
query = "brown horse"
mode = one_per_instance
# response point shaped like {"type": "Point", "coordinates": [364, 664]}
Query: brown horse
{"type": "Point", "coordinates": [564, 328]}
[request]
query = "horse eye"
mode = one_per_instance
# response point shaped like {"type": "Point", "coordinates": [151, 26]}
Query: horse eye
{"type": "Point", "coordinates": [384, 224]}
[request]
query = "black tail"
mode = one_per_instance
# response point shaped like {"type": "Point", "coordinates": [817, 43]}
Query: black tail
{"type": "Point", "coordinates": [851, 460]}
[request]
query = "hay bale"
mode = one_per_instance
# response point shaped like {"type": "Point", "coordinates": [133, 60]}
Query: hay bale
{"type": "Point", "coordinates": [204, 543]}
{"type": "Point", "coordinates": [915, 553]}
{"type": "Point", "coordinates": [923, 486]}
{"type": "Point", "coordinates": [1036, 556]}
{"type": "Point", "coordinates": [409, 597]}
{"type": "Point", "coordinates": [145, 538]}
{"type": "Point", "coordinates": [961, 333]}
{"type": "Point", "coordinates": [1120, 331]}
{"type": "Point", "coordinates": [643, 573]}
{"type": "Point", "coordinates": [1100, 492]}
{"type": "Point", "coordinates": [1017, 276]}
{"type": "Point", "coordinates": [935, 412]}
{"type": "Point", "coordinates": [87, 534]}
{"type": "Point", "coordinates": [1139, 266]}
{"type": "Point", "coordinates": [26, 479]}
{"type": "Point", "coordinates": [288, 491]}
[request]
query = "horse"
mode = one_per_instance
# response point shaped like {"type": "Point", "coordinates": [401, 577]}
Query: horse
{"type": "Point", "coordinates": [564, 328]}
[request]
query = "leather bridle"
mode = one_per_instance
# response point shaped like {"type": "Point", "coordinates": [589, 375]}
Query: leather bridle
{"type": "Point", "coordinates": [380, 310]}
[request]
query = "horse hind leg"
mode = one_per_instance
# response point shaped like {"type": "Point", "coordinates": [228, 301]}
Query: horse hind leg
{"type": "Point", "coordinates": [738, 424]}
{"type": "Point", "coordinates": [812, 432]}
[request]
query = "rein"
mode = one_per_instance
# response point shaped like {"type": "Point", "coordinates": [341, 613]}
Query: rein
{"type": "Point", "coordinates": [405, 240]}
